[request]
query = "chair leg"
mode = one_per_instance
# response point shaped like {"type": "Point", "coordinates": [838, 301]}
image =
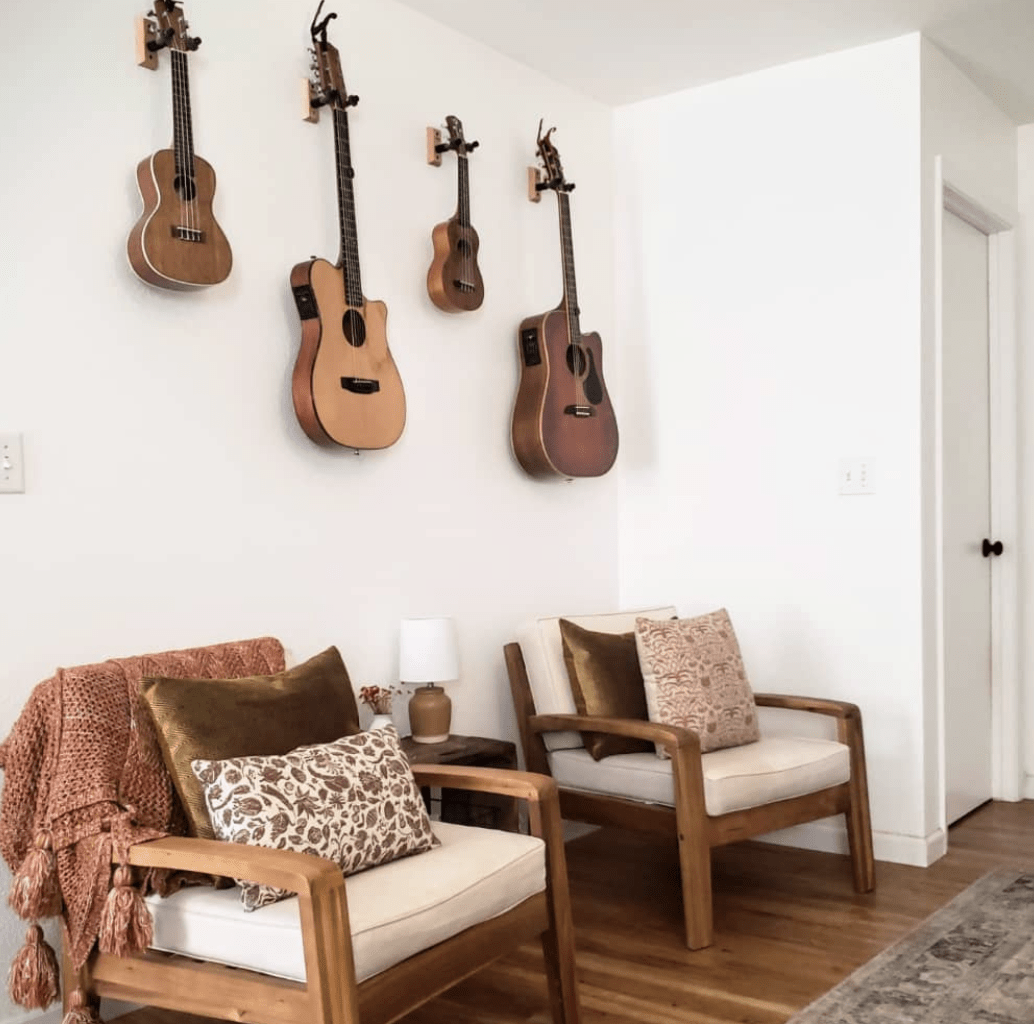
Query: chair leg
{"type": "Point", "coordinates": [695, 868]}
{"type": "Point", "coordinates": [560, 977]}
{"type": "Point", "coordinates": [558, 948]}
{"type": "Point", "coordinates": [859, 827]}
{"type": "Point", "coordinates": [859, 838]}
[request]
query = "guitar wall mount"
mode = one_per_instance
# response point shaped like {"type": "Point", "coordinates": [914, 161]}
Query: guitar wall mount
{"type": "Point", "coordinates": [435, 146]}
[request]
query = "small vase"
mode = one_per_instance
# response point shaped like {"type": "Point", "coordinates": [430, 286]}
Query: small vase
{"type": "Point", "coordinates": [380, 721]}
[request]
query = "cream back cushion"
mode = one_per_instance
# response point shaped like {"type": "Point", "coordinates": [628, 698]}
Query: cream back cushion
{"type": "Point", "coordinates": [543, 651]}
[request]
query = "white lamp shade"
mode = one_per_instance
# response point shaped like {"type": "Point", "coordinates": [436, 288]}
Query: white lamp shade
{"type": "Point", "coordinates": [427, 651]}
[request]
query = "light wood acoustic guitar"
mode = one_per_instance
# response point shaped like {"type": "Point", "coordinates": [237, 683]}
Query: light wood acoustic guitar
{"type": "Point", "coordinates": [563, 421]}
{"type": "Point", "coordinates": [346, 387]}
{"type": "Point", "coordinates": [454, 278]}
{"type": "Point", "coordinates": [177, 243]}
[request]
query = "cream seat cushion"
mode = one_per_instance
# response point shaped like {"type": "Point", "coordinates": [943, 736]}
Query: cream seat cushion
{"type": "Point", "coordinates": [735, 778]}
{"type": "Point", "coordinates": [543, 650]}
{"type": "Point", "coordinates": [395, 909]}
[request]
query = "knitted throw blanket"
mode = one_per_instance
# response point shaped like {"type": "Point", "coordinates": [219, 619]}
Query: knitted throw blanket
{"type": "Point", "coordinates": [84, 780]}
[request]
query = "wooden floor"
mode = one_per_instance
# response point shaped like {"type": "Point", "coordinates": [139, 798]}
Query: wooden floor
{"type": "Point", "coordinates": [788, 927]}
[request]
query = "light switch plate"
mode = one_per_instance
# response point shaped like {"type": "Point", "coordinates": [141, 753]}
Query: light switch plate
{"type": "Point", "coordinates": [12, 464]}
{"type": "Point", "coordinates": [856, 476]}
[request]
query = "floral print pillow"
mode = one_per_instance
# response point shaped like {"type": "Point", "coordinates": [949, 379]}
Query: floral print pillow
{"type": "Point", "coordinates": [694, 677]}
{"type": "Point", "coordinates": [353, 801]}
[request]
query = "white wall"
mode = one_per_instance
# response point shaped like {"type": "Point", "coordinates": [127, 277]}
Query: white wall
{"type": "Point", "coordinates": [977, 142]}
{"type": "Point", "coordinates": [1025, 202]}
{"type": "Point", "coordinates": [769, 277]}
{"type": "Point", "coordinates": [172, 499]}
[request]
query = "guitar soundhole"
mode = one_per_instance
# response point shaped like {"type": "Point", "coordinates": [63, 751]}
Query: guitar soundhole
{"type": "Point", "coordinates": [463, 247]}
{"type": "Point", "coordinates": [576, 360]}
{"type": "Point", "coordinates": [185, 188]}
{"type": "Point", "coordinates": [354, 328]}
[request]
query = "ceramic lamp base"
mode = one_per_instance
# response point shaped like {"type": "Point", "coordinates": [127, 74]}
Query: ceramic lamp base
{"type": "Point", "coordinates": [430, 715]}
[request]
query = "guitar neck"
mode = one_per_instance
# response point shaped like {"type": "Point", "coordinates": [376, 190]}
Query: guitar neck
{"type": "Point", "coordinates": [567, 255]}
{"type": "Point", "coordinates": [463, 201]}
{"type": "Point", "coordinates": [348, 258]}
{"type": "Point", "coordinates": [182, 132]}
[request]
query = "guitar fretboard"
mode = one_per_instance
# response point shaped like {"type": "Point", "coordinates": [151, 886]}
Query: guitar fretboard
{"type": "Point", "coordinates": [463, 205]}
{"type": "Point", "coordinates": [182, 132]}
{"type": "Point", "coordinates": [567, 255]}
{"type": "Point", "coordinates": [349, 255]}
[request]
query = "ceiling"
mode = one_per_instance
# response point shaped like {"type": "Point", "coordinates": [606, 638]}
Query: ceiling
{"type": "Point", "coordinates": [620, 51]}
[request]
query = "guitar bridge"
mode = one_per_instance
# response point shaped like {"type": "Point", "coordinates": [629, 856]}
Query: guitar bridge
{"type": "Point", "coordinates": [187, 234]}
{"type": "Point", "coordinates": [463, 286]}
{"type": "Point", "coordinates": [360, 385]}
{"type": "Point", "coordinates": [579, 411]}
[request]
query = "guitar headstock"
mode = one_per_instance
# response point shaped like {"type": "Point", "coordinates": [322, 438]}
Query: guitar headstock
{"type": "Point", "coordinates": [328, 81]}
{"type": "Point", "coordinates": [456, 139]}
{"type": "Point", "coordinates": [171, 28]}
{"type": "Point", "coordinates": [554, 169]}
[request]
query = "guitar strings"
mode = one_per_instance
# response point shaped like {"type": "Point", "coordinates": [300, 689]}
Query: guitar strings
{"type": "Point", "coordinates": [177, 141]}
{"type": "Point", "coordinates": [570, 295]}
{"type": "Point", "coordinates": [346, 211]}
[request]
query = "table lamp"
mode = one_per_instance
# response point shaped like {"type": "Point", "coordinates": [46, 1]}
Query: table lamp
{"type": "Point", "coordinates": [428, 654]}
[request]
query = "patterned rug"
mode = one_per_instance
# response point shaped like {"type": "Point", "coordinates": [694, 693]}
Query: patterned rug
{"type": "Point", "coordinates": [972, 962]}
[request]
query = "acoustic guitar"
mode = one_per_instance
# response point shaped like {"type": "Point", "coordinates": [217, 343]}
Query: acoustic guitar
{"type": "Point", "coordinates": [346, 388]}
{"type": "Point", "coordinates": [177, 242]}
{"type": "Point", "coordinates": [454, 278]}
{"type": "Point", "coordinates": [563, 420]}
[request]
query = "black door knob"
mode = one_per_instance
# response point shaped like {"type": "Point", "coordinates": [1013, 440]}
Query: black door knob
{"type": "Point", "coordinates": [990, 549]}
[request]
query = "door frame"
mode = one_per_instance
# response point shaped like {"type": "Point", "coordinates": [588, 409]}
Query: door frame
{"type": "Point", "coordinates": [953, 195]}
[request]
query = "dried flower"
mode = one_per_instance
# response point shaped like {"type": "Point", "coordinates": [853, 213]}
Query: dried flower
{"type": "Point", "coordinates": [378, 698]}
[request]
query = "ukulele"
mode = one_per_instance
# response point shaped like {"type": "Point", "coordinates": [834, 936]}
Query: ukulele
{"type": "Point", "coordinates": [346, 388]}
{"type": "Point", "coordinates": [177, 243]}
{"type": "Point", "coordinates": [563, 421]}
{"type": "Point", "coordinates": [454, 278]}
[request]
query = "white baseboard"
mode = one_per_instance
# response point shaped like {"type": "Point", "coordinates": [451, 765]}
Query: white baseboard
{"type": "Point", "coordinates": [110, 1009]}
{"type": "Point", "coordinates": [1028, 787]}
{"type": "Point", "coordinates": [830, 836]}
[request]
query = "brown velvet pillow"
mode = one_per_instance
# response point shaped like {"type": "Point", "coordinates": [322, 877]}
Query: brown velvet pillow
{"type": "Point", "coordinates": [213, 719]}
{"type": "Point", "coordinates": [605, 680]}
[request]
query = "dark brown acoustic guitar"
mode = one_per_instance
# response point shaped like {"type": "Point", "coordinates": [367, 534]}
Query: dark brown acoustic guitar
{"type": "Point", "coordinates": [346, 388]}
{"type": "Point", "coordinates": [454, 279]}
{"type": "Point", "coordinates": [177, 243]}
{"type": "Point", "coordinates": [563, 420]}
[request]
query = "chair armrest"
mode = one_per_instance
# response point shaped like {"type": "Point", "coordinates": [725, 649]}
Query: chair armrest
{"type": "Point", "coordinates": [322, 905]}
{"type": "Point", "coordinates": [285, 869]}
{"type": "Point", "coordinates": [505, 781]}
{"type": "Point", "coordinates": [817, 705]}
{"type": "Point", "coordinates": [671, 737]}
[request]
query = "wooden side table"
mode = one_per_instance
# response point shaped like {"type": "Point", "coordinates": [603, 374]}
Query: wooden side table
{"type": "Point", "coordinates": [461, 807]}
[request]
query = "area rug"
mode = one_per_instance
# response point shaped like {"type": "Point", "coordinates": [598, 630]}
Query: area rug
{"type": "Point", "coordinates": [972, 962]}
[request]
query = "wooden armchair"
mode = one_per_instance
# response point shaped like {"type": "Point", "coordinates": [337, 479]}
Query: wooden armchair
{"type": "Point", "coordinates": [330, 992]}
{"type": "Point", "coordinates": [704, 800]}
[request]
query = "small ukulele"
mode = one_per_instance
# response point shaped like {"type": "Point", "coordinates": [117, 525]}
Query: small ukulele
{"type": "Point", "coordinates": [563, 421]}
{"type": "Point", "coordinates": [346, 388]}
{"type": "Point", "coordinates": [454, 278]}
{"type": "Point", "coordinates": [177, 243]}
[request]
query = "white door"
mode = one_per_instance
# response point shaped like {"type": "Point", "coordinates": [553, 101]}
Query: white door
{"type": "Point", "coordinates": [966, 517]}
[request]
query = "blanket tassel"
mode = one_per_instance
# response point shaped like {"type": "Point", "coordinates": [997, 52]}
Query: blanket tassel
{"type": "Point", "coordinates": [35, 892]}
{"type": "Point", "coordinates": [33, 979]}
{"type": "Point", "coordinates": [126, 925]}
{"type": "Point", "coordinates": [80, 1010]}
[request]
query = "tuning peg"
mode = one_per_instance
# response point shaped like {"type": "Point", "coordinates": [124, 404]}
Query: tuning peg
{"type": "Point", "coordinates": [472, 145]}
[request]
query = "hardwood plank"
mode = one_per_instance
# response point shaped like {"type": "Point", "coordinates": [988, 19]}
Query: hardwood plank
{"type": "Point", "coordinates": [788, 927]}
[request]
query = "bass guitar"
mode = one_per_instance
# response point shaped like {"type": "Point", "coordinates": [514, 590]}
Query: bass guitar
{"type": "Point", "coordinates": [563, 420]}
{"type": "Point", "coordinates": [346, 388]}
{"type": "Point", "coordinates": [454, 278]}
{"type": "Point", "coordinates": [177, 242]}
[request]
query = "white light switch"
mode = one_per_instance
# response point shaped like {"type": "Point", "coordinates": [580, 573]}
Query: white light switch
{"type": "Point", "coordinates": [857, 476]}
{"type": "Point", "coordinates": [12, 464]}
